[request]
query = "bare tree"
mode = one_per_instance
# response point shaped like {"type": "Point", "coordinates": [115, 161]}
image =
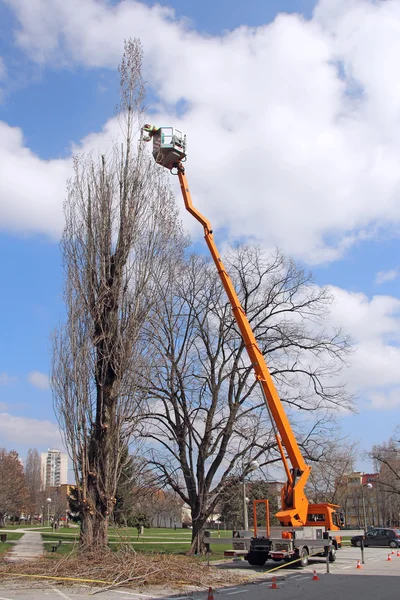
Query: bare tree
{"type": "Point", "coordinates": [206, 415]}
{"type": "Point", "coordinates": [328, 481]}
{"type": "Point", "coordinates": [135, 485]}
{"type": "Point", "coordinates": [386, 459]}
{"type": "Point", "coordinates": [33, 482]}
{"type": "Point", "coordinates": [58, 505]}
{"type": "Point", "coordinates": [164, 508]}
{"type": "Point", "coordinates": [121, 230]}
{"type": "Point", "coordinates": [13, 492]}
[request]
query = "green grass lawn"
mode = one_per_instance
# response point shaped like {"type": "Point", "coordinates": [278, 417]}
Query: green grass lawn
{"type": "Point", "coordinates": [153, 540]}
{"type": "Point", "coordinates": [9, 526]}
{"type": "Point", "coordinates": [5, 546]}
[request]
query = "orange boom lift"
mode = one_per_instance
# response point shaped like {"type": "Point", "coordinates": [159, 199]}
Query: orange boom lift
{"type": "Point", "coordinates": [169, 150]}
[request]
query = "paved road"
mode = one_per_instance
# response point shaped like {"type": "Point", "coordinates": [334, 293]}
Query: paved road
{"type": "Point", "coordinates": [378, 579]}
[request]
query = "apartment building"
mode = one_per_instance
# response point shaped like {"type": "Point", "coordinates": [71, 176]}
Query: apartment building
{"type": "Point", "coordinates": [54, 468]}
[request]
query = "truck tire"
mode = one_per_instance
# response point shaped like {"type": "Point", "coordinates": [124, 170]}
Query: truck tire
{"type": "Point", "coordinates": [303, 555]}
{"type": "Point", "coordinates": [256, 559]}
{"type": "Point", "coordinates": [332, 554]}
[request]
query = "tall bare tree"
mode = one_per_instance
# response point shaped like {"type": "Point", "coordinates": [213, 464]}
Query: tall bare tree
{"type": "Point", "coordinates": [386, 459]}
{"type": "Point", "coordinates": [206, 415]}
{"type": "Point", "coordinates": [33, 482]}
{"type": "Point", "coordinates": [121, 233]}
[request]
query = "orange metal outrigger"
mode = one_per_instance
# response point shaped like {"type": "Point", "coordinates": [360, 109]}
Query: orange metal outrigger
{"type": "Point", "coordinates": [169, 150]}
{"type": "Point", "coordinates": [256, 503]}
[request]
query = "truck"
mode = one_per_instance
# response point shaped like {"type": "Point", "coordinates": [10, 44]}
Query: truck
{"type": "Point", "coordinates": [306, 529]}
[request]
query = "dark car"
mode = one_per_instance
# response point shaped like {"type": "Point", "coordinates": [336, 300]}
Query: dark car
{"type": "Point", "coordinates": [379, 537]}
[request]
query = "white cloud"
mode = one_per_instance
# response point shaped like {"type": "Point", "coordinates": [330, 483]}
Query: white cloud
{"type": "Point", "coordinates": [6, 379]}
{"type": "Point", "coordinates": [31, 190]}
{"type": "Point", "coordinates": [384, 401]}
{"type": "Point", "coordinates": [374, 324]}
{"type": "Point", "coordinates": [385, 276]}
{"type": "Point", "coordinates": [22, 430]}
{"type": "Point", "coordinates": [292, 127]}
{"type": "Point", "coordinates": [39, 380]}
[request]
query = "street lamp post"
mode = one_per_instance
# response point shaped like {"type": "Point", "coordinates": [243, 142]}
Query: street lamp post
{"type": "Point", "coordinates": [48, 500]}
{"type": "Point", "coordinates": [252, 466]}
{"type": "Point", "coordinates": [369, 487]}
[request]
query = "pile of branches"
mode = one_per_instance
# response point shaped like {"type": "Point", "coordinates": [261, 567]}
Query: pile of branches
{"type": "Point", "coordinates": [125, 568]}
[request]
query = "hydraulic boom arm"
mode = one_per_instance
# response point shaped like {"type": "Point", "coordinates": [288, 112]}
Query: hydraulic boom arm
{"type": "Point", "coordinates": [294, 502]}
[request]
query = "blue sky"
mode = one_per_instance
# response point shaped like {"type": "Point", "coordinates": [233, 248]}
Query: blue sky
{"type": "Point", "coordinates": [318, 170]}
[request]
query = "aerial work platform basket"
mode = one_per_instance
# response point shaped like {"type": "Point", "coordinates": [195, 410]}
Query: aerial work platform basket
{"type": "Point", "coordinates": [169, 145]}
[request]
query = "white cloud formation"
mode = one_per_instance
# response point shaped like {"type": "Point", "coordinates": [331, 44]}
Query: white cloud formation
{"type": "Point", "coordinates": [31, 189]}
{"type": "Point", "coordinates": [292, 126]}
{"type": "Point", "coordinates": [39, 380]}
{"type": "Point", "coordinates": [374, 325]}
{"type": "Point", "coordinates": [26, 431]}
{"type": "Point", "coordinates": [385, 276]}
{"type": "Point", "coordinates": [382, 401]}
{"type": "Point", "coordinates": [6, 379]}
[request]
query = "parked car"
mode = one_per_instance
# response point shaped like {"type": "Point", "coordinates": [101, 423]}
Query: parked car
{"type": "Point", "coordinates": [378, 537]}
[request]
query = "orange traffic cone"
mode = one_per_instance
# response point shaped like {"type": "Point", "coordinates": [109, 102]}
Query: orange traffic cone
{"type": "Point", "coordinates": [210, 594]}
{"type": "Point", "coordinates": [315, 576]}
{"type": "Point", "coordinates": [359, 564]}
{"type": "Point", "coordinates": [389, 557]}
{"type": "Point", "coordinates": [273, 586]}
{"type": "Point", "coordinates": [398, 552]}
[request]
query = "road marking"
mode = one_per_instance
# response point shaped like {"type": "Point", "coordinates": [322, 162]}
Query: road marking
{"type": "Point", "coordinates": [2, 598]}
{"type": "Point", "coordinates": [140, 595]}
{"type": "Point", "coordinates": [237, 592]}
{"type": "Point", "coordinates": [61, 594]}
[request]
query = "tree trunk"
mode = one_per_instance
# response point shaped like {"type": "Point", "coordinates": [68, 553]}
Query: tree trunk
{"type": "Point", "coordinates": [94, 531]}
{"type": "Point", "coordinates": [96, 510]}
{"type": "Point", "coordinates": [198, 545]}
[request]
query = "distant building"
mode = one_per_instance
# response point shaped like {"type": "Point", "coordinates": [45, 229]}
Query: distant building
{"type": "Point", "coordinates": [359, 499]}
{"type": "Point", "coordinates": [54, 468]}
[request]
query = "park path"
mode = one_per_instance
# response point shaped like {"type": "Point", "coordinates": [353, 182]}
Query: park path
{"type": "Point", "coordinates": [29, 546]}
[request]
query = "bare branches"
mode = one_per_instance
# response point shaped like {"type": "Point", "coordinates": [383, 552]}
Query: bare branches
{"type": "Point", "coordinates": [205, 414]}
{"type": "Point", "coordinates": [33, 482]}
{"type": "Point", "coordinates": [120, 236]}
{"type": "Point", "coordinates": [386, 459]}
{"type": "Point", "coordinates": [335, 461]}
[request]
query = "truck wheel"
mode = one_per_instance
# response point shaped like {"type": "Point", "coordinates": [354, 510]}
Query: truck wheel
{"type": "Point", "coordinates": [332, 554]}
{"type": "Point", "coordinates": [303, 557]}
{"type": "Point", "coordinates": [256, 559]}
